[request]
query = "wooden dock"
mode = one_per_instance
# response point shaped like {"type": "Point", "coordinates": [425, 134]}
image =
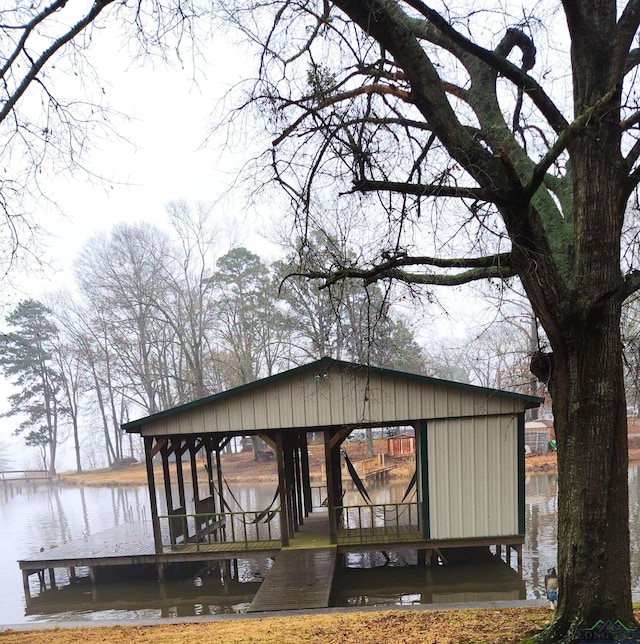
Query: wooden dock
{"type": "Point", "coordinates": [300, 579]}
{"type": "Point", "coordinates": [26, 476]}
{"type": "Point", "coordinates": [131, 544]}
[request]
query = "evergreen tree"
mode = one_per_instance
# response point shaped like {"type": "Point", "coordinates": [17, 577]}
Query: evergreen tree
{"type": "Point", "coordinates": [26, 359]}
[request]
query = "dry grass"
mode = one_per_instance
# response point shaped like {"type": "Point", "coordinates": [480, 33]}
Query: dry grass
{"type": "Point", "coordinates": [236, 468]}
{"type": "Point", "coordinates": [391, 627]}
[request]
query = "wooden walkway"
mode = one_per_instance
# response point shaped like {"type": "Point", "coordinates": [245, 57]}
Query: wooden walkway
{"type": "Point", "coordinates": [300, 578]}
{"type": "Point", "coordinates": [131, 544]}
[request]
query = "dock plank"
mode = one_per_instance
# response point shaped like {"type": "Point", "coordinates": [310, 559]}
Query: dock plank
{"type": "Point", "coordinates": [299, 579]}
{"type": "Point", "coordinates": [132, 543]}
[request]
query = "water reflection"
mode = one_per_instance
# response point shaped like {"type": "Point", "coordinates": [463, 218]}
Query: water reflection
{"type": "Point", "coordinates": [34, 518]}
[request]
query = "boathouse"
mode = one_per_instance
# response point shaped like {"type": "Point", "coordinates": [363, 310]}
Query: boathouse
{"type": "Point", "coordinates": [469, 444]}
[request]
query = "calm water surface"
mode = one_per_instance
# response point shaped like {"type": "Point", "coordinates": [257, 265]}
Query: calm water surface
{"type": "Point", "coordinates": [32, 518]}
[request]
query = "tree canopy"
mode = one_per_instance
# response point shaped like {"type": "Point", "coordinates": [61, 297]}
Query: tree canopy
{"type": "Point", "coordinates": [478, 143]}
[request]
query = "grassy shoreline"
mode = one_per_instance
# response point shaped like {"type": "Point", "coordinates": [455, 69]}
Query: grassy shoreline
{"type": "Point", "coordinates": [239, 467]}
{"type": "Point", "coordinates": [389, 626]}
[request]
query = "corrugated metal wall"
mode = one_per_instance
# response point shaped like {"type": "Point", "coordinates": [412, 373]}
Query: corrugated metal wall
{"type": "Point", "coordinates": [335, 397]}
{"type": "Point", "coordinates": [473, 477]}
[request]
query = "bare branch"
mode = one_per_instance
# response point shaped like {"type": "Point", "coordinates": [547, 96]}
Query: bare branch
{"type": "Point", "coordinates": [97, 8]}
{"type": "Point", "coordinates": [387, 271]}
{"type": "Point", "coordinates": [338, 98]}
{"type": "Point", "coordinates": [626, 30]}
{"type": "Point", "coordinates": [498, 62]}
{"type": "Point", "coordinates": [426, 190]}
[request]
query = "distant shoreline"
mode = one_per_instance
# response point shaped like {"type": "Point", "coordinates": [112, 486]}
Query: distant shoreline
{"type": "Point", "coordinates": [240, 468]}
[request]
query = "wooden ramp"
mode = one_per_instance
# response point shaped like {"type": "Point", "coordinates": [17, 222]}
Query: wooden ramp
{"type": "Point", "coordinates": [299, 579]}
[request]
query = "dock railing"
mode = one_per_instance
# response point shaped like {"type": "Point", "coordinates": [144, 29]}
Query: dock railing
{"type": "Point", "coordinates": [367, 466]}
{"type": "Point", "coordinates": [211, 528]}
{"type": "Point", "coordinates": [381, 523]}
{"type": "Point", "coordinates": [14, 476]}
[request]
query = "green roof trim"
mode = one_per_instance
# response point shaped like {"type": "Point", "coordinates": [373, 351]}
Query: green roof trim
{"type": "Point", "coordinates": [325, 363]}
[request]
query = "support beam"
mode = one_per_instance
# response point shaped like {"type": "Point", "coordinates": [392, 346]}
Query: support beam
{"type": "Point", "coordinates": [282, 486]}
{"type": "Point", "coordinates": [306, 475]}
{"type": "Point", "coordinates": [219, 448]}
{"type": "Point", "coordinates": [422, 478]}
{"type": "Point", "coordinates": [194, 472]}
{"type": "Point", "coordinates": [208, 447]}
{"type": "Point", "coordinates": [178, 451]}
{"type": "Point", "coordinates": [160, 443]}
{"type": "Point", "coordinates": [153, 501]}
{"type": "Point", "coordinates": [268, 440]}
{"type": "Point", "coordinates": [298, 479]}
{"type": "Point", "coordinates": [291, 482]}
{"type": "Point", "coordinates": [25, 584]}
{"type": "Point", "coordinates": [331, 501]}
{"type": "Point", "coordinates": [339, 437]}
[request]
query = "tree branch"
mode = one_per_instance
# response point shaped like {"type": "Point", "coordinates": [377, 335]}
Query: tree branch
{"type": "Point", "coordinates": [426, 190]}
{"type": "Point", "coordinates": [387, 23]}
{"type": "Point", "coordinates": [561, 144]}
{"type": "Point", "coordinates": [386, 270]}
{"type": "Point", "coordinates": [498, 62]}
{"type": "Point", "coordinates": [477, 268]}
{"type": "Point", "coordinates": [366, 90]}
{"type": "Point", "coordinates": [631, 284]}
{"type": "Point", "coordinates": [96, 8]}
{"type": "Point", "coordinates": [626, 30]}
{"type": "Point", "coordinates": [633, 58]}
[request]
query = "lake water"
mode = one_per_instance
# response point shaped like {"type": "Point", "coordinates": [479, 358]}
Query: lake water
{"type": "Point", "coordinates": [40, 517]}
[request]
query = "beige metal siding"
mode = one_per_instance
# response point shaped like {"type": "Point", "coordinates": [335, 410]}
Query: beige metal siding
{"type": "Point", "coordinates": [335, 397]}
{"type": "Point", "coordinates": [473, 479]}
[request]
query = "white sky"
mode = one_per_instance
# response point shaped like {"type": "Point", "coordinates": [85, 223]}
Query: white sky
{"type": "Point", "coordinates": [163, 158]}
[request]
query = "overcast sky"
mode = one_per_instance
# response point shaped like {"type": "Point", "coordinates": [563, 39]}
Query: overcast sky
{"type": "Point", "coordinates": [163, 156]}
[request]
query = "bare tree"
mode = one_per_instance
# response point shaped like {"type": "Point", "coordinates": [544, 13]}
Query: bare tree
{"type": "Point", "coordinates": [123, 272]}
{"type": "Point", "coordinates": [53, 105]}
{"type": "Point", "coordinates": [442, 129]}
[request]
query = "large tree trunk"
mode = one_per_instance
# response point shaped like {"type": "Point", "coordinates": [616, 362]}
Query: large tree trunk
{"type": "Point", "coordinates": [593, 512]}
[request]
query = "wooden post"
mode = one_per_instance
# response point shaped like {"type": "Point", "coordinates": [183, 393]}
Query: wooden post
{"type": "Point", "coordinates": [223, 529]}
{"type": "Point", "coordinates": [207, 449]}
{"type": "Point", "coordinates": [298, 477]}
{"type": "Point", "coordinates": [179, 451]}
{"type": "Point", "coordinates": [25, 584]}
{"type": "Point", "coordinates": [282, 486]}
{"type": "Point", "coordinates": [168, 494]}
{"type": "Point", "coordinates": [331, 501]}
{"type": "Point", "coordinates": [291, 483]}
{"type": "Point", "coordinates": [194, 472]}
{"type": "Point", "coordinates": [153, 501]}
{"type": "Point", "coordinates": [306, 476]}
{"type": "Point", "coordinates": [52, 578]}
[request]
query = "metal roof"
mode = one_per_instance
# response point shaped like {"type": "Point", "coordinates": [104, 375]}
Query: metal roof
{"type": "Point", "coordinates": [326, 365]}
